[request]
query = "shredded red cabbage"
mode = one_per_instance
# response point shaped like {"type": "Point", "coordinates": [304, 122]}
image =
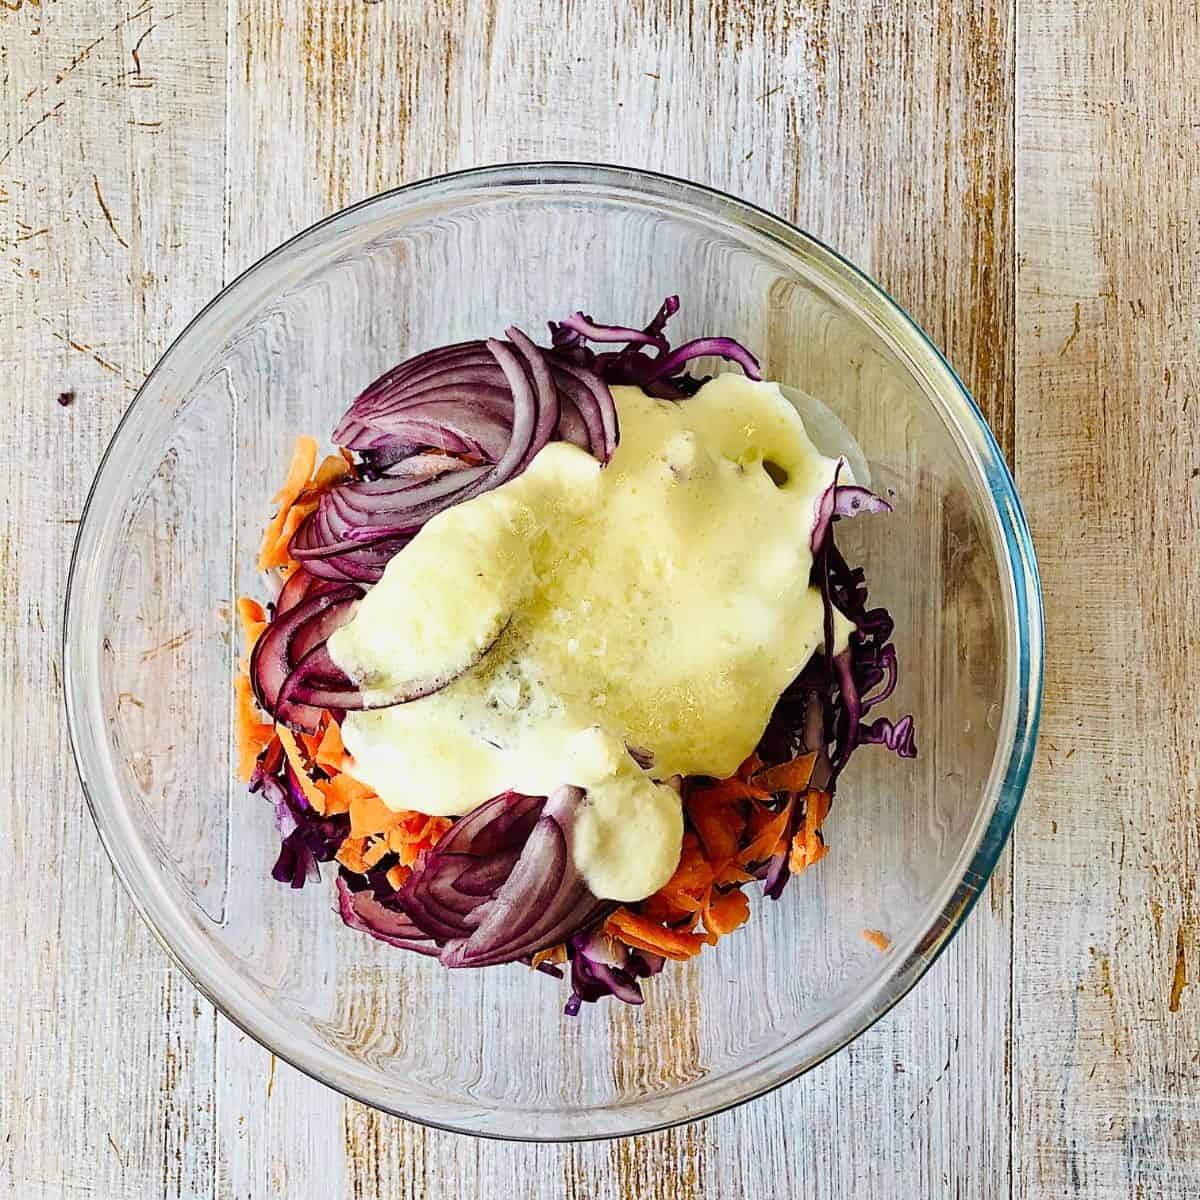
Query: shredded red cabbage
{"type": "Point", "coordinates": [602, 966]}
{"type": "Point", "coordinates": [647, 361]}
{"type": "Point", "coordinates": [308, 837]}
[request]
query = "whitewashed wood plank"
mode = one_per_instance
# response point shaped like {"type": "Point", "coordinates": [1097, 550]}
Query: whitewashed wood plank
{"type": "Point", "coordinates": [1108, 1018]}
{"type": "Point", "coordinates": [105, 212]}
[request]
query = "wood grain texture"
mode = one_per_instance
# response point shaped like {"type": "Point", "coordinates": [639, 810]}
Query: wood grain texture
{"type": "Point", "coordinates": [109, 1063]}
{"type": "Point", "coordinates": [148, 151]}
{"type": "Point", "coordinates": [1107, 1022]}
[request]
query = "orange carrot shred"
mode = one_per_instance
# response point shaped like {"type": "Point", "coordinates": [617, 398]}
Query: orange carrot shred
{"type": "Point", "coordinates": [253, 734]}
{"type": "Point", "coordinates": [727, 791]}
{"type": "Point", "coordinates": [254, 620]}
{"type": "Point", "coordinates": [791, 776]}
{"type": "Point", "coordinates": [555, 954]}
{"type": "Point", "coordinates": [767, 828]}
{"type": "Point", "coordinates": [278, 555]}
{"type": "Point", "coordinates": [807, 846]}
{"type": "Point", "coordinates": [635, 930]}
{"type": "Point", "coordinates": [333, 469]}
{"type": "Point", "coordinates": [749, 767]}
{"type": "Point", "coordinates": [725, 911]}
{"type": "Point", "coordinates": [396, 876]}
{"type": "Point", "coordinates": [331, 753]}
{"type": "Point", "coordinates": [369, 814]}
{"type": "Point", "coordinates": [304, 459]}
{"type": "Point", "coordinates": [340, 793]}
{"type": "Point", "coordinates": [291, 748]}
{"type": "Point", "coordinates": [718, 825]}
{"type": "Point", "coordinates": [878, 939]}
{"type": "Point", "coordinates": [351, 854]}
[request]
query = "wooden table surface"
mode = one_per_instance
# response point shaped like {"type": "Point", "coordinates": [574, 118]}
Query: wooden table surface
{"type": "Point", "coordinates": [1023, 175]}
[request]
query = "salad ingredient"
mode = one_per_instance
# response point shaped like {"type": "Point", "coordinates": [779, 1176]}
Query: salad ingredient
{"type": "Point", "coordinates": [647, 361]}
{"type": "Point", "coordinates": [304, 459]}
{"type": "Point", "coordinates": [501, 885]}
{"type": "Point", "coordinates": [361, 910]}
{"type": "Point", "coordinates": [761, 822]}
{"type": "Point", "coordinates": [285, 643]}
{"type": "Point", "coordinates": [607, 860]}
{"type": "Point", "coordinates": [662, 601]}
{"type": "Point", "coordinates": [497, 403]}
{"type": "Point", "coordinates": [878, 939]}
{"type": "Point", "coordinates": [544, 899]}
{"type": "Point", "coordinates": [603, 966]}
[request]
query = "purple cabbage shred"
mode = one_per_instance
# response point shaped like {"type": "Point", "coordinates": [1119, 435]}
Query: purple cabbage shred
{"type": "Point", "coordinates": [308, 837]}
{"type": "Point", "coordinates": [647, 360]}
{"type": "Point", "coordinates": [602, 966]}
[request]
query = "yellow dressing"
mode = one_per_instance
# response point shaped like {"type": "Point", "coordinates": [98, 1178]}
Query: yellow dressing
{"type": "Point", "coordinates": [661, 601]}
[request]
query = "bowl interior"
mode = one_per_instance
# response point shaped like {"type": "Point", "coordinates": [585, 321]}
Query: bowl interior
{"type": "Point", "coordinates": [169, 541]}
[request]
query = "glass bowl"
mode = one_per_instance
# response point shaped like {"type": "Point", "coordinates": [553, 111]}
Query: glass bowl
{"type": "Point", "coordinates": [168, 540]}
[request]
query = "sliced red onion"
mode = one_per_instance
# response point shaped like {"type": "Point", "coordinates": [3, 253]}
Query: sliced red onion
{"type": "Point", "coordinates": [273, 658]}
{"type": "Point", "coordinates": [497, 402]}
{"type": "Point", "coordinates": [588, 330]}
{"type": "Point", "coordinates": [595, 405]}
{"type": "Point", "coordinates": [647, 360]}
{"type": "Point", "coordinates": [317, 682]}
{"type": "Point", "coordinates": [491, 835]}
{"type": "Point", "coordinates": [360, 910]}
{"type": "Point", "coordinates": [501, 884]}
{"type": "Point", "coordinates": [542, 902]}
{"type": "Point", "coordinates": [294, 590]}
{"type": "Point", "coordinates": [361, 565]}
{"type": "Point", "coordinates": [547, 404]}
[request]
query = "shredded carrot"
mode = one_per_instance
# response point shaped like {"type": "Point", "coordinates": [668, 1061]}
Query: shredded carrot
{"type": "Point", "coordinates": [340, 792]}
{"type": "Point", "coordinates": [300, 472]}
{"type": "Point", "coordinates": [368, 813]}
{"type": "Point", "coordinates": [277, 555]}
{"type": "Point", "coordinates": [732, 830]}
{"type": "Point", "coordinates": [330, 754]}
{"type": "Point", "coordinates": [413, 833]}
{"type": "Point", "coordinates": [253, 733]}
{"type": "Point", "coordinates": [557, 955]}
{"type": "Point", "coordinates": [361, 854]}
{"type": "Point", "coordinates": [791, 776]}
{"type": "Point", "coordinates": [254, 620]}
{"type": "Point", "coordinates": [396, 876]}
{"type": "Point", "coordinates": [333, 469]}
{"type": "Point", "coordinates": [719, 829]}
{"type": "Point", "coordinates": [751, 766]}
{"type": "Point", "coordinates": [351, 854]}
{"type": "Point", "coordinates": [807, 846]}
{"type": "Point", "coordinates": [726, 791]}
{"type": "Point", "coordinates": [644, 934]}
{"type": "Point", "coordinates": [878, 939]}
{"type": "Point", "coordinates": [725, 911]}
{"type": "Point", "coordinates": [291, 748]}
{"type": "Point", "coordinates": [767, 829]}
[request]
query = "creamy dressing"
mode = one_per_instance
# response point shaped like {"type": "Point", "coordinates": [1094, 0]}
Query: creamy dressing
{"type": "Point", "coordinates": [660, 602]}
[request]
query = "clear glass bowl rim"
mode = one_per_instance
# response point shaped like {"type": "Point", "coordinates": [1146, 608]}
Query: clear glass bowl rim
{"type": "Point", "coordinates": [1023, 599]}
